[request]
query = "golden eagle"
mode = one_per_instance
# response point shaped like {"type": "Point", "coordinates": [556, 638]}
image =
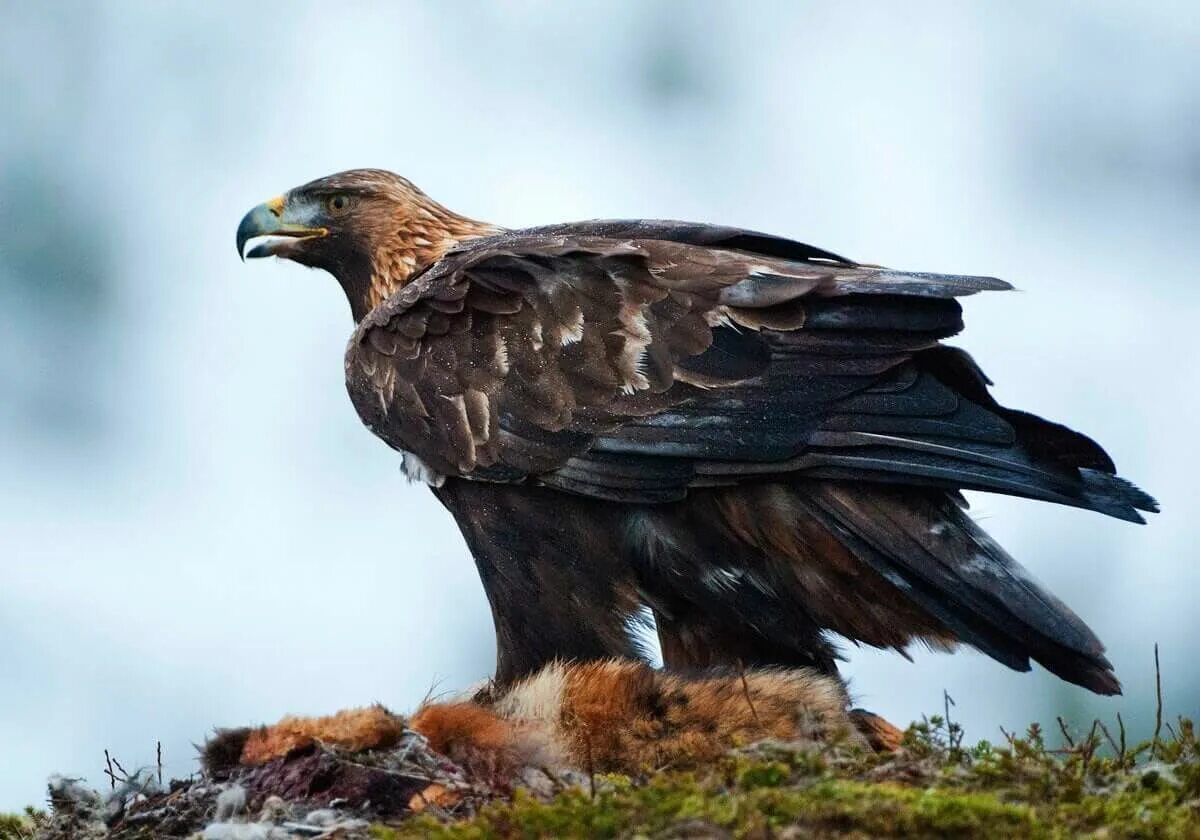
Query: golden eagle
{"type": "Point", "coordinates": [761, 442]}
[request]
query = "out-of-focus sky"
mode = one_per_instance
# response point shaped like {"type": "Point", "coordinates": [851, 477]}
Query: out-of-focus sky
{"type": "Point", "coordinates": [195, 529]}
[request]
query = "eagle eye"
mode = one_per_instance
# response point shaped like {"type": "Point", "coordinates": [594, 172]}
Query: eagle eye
{"type": "Point", "coordinates": [337, 204]}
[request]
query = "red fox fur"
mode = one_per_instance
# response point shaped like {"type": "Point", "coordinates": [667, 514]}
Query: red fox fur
{"type": "Point", "coordinates": [605, 716]}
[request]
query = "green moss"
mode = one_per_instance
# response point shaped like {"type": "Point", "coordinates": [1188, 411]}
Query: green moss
{"type": "Point", "coordinates": [830, 807]}
{"type": "Point", "coordinates": [20, 826]}
{"type": "Point", "coordinates": [763, 774]}
{"type": "Point", "coordinates": [934, 788]}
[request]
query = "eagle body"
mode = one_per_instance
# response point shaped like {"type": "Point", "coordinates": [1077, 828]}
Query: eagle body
{"type": "Point", "coordinates": [756, 441]}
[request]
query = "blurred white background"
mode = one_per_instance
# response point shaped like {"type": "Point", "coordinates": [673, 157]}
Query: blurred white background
{"type": "Point", "coordinates": [196, 530]}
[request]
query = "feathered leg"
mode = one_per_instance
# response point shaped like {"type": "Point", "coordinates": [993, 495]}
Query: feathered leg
{"type": "Point", "coordinates": [553, 570]}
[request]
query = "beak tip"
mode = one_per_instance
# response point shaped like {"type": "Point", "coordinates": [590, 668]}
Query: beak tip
{"type": "Point", "coordinates": [260, 221]}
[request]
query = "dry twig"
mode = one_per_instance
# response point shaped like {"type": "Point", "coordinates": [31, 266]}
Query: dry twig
{"type": "Point", "coordinates": [1154, 748]}
{"type": "Point", "coordinates": [746, 693]}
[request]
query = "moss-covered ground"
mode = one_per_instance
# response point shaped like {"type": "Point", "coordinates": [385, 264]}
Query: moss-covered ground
{"type": "Point", "coordinates": [1092, 786]}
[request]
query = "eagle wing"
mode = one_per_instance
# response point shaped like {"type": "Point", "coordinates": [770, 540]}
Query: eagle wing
{"type": "Point", "coordinates": [632, 361]}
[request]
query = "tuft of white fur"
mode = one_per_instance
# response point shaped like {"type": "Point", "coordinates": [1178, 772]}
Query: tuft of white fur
{"type": "Point", "coordinates": [537, 698]}
{"type": "Point", "coordinates": [230, 803]}
{"type": "Point", "coordinates": [537, 703]}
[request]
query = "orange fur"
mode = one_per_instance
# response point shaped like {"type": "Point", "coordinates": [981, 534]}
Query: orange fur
{"type": "Point", "coordinates": [880, 734]}
{"type": "Point", "coordinates": [350, 729]}
{"type": "Point", "coordinates": [609, 715]}
{"type": "Point", "coordinates": [434, 796]}
{"type": "Point", "coordinates": [446, 724]}
{"type": "Point", "coordinates": [474, 737]}
{"type": "Point", "coordinates": [627, 716]}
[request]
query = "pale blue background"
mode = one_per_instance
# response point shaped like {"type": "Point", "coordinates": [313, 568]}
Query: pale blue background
{"type": "Point", "coordinates": [196, 530]}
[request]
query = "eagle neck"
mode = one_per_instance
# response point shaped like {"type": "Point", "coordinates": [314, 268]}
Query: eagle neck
{"type": "Point", "coordinates": [415, 247]}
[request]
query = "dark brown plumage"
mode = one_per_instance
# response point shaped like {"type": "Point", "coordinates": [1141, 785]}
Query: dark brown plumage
{"type": "Point", "coordinates": [758, 440]}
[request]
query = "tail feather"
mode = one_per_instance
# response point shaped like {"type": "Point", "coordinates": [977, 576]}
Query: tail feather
{"type": "Point", "coordinates": [1116, 496]}
{"type": "Point", "coordinates": [935, 554]}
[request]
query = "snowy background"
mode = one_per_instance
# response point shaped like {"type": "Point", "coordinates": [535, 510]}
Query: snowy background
{"type": "Point", "coordinates": [196, 530]}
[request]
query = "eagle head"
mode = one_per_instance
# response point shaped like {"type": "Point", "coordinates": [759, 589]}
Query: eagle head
{"type": "Point", "coordinates": [371, 229]}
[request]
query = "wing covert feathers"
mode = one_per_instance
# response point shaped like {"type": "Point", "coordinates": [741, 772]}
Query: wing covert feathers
{"type": "Point", "coordinates": [631, 361]}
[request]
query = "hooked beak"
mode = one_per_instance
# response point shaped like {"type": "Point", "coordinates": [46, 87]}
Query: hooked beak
{"type": "Point", "coordinates": [274, 219]}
